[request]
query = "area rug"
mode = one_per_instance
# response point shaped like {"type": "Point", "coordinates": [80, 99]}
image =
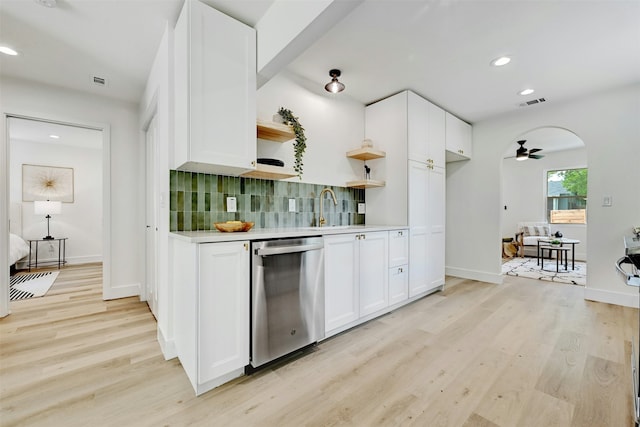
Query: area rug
{"type": "Point", "coordinates": [526, 267]}
{"type": "Point", "coordinates": [30, 285]}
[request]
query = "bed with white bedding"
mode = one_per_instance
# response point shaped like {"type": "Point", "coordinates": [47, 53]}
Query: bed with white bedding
{"type": "Point", "coordinates": [18, 248]}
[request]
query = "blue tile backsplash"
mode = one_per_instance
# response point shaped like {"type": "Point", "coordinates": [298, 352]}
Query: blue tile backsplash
{"type": "Point", "coordinates": [198, 200]}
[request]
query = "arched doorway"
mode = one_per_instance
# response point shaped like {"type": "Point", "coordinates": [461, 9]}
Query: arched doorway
{"type": "Point", "coordinates": [540, 198]}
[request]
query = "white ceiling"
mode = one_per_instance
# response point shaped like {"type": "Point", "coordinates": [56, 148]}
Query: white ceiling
{"type": "Point", "coordinates": [40, 132]}
{"type": "Point", "coordinates": [440, 49]}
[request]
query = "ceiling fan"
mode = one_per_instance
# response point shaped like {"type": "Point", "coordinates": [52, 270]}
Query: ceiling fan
{"type": "Point", "coordinates": [523, 154]}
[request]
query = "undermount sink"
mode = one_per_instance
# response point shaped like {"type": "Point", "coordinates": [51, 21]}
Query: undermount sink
{"type": "Point", "coordinates": [328, 227]}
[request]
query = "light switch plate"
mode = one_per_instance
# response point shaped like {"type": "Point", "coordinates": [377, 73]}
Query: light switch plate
{"type": "Point", "coordinates": [231, 204]}
{"type": "Point", "coordinates": [607, 201]}
{"type": "Point", "coordinates": [292, 205]}
{"type": "Point", "coordinates": [361, 208]}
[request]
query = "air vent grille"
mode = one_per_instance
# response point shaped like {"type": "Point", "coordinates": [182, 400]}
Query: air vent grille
{"type": "Point", "coordinates": [533, 102]}
{"type": "Point", "coordinates": [99, 81]}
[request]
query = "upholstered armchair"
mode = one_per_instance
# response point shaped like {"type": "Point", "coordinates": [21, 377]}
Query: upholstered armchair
{"type": "Point", "coordinates": [527, 236]}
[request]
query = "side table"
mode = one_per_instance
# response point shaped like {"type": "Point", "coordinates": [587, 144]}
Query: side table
{"type": "Point", "coordinates": [62, 248]}
{"type": "Point", "coordinates": [560, 253]}
{"type": "Point", "coordinates": [563, 241]}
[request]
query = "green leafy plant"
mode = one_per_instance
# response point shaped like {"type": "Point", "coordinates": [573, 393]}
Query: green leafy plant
{"type": "Point", "coordinates": [301, 141]}
{"type": "Point", "coordinates": [556, 242]}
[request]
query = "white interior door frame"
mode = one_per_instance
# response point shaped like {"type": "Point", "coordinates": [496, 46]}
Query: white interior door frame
{"type": "Point", "coordinates": [4, 196]}
{"type": "Point", "coordinates": [150, 289]}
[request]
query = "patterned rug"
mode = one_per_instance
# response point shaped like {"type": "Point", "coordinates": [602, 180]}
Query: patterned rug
{"type": "Point", "coordinates": [526, 267]}
{"type": "Point", "coordinates": [29, 285]}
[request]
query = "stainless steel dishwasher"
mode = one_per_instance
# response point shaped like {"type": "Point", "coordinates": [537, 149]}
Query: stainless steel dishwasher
{"type": "Point", "coordinates": [287, 296]}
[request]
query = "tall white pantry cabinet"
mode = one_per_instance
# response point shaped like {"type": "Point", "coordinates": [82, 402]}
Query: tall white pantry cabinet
{"type": "Point", "coordinates": [411, 130]}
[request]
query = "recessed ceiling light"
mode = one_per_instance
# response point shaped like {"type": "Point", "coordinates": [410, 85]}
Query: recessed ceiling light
{"type": "Point", "coordinates": [499, 62]}
{"type": "Point", "coordinates": [54, 136]}
{"type": "Point", "coordinates": [8, 51]}
{"type": "Point", "coordinates": [526, 92]}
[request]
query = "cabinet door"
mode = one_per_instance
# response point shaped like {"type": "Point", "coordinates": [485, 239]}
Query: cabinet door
{"type": "Point", "coordinates": [417, 126]}
{"type": "Point", "coordinates": [418, 262]}
{"type": "Point", "coordinates": [341, 270]}
{"type": "Point", "coordinates": [223, 88]}
{"type": "Point", "coordinates": [223, 309]}
{"type": "Point", "coordinates": [398, 284]}
{"type": "Point", "coordinates": [418, 187]}
{"type": "Point", "coordinates": [215, 91]}
{"type": "Point", "coordinates": [436, 227]}
{"type": "Point", "coordinates": [374, 290]}
{"type": "Point", "coordinates": [398, 248]}
{"type": "Point", "coordinates": [436, 141]}
{"type": "Point", "coordinates": [418, 181]}
{"type": "Point", "coordinates": [458, 138]}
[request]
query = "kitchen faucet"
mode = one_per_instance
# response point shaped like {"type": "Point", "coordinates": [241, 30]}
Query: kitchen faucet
{"type": "Point", "coordinates": [335, 202]}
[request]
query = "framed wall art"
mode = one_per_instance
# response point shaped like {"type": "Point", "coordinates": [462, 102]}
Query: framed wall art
{"type": "Point", "coordinates": [47, 183]}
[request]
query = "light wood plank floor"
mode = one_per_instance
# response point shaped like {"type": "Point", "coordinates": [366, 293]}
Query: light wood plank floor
{"type": "Point", "coordinates": [525, 353]}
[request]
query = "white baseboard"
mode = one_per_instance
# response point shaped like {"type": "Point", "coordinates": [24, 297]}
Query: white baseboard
{"type": "Point", "coordinates": [168, 348]}
{"type": "Point", "coordinates": [122, 291]}
{"type": "Point", "coordinates": [84, 259]}
{"type": "Point", "coordinates": [482, 276]}
{"type": "Point", "coordinates": [610, 297]}
{"type": "Point", "coordinates": [23, 264]}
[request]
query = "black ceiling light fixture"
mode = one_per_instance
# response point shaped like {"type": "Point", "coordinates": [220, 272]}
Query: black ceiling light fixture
{"type": "Point", "coordinates": [524, 154]}
{"type": "Point", "coordinates": [334, 86]}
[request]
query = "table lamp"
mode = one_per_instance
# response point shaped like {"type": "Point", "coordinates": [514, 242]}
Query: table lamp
{"type": "Point", "coordinates": [47, 207]}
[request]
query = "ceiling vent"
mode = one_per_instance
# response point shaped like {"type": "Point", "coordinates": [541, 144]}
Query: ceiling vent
{"type": "Point", "coordinates": [100, 81]}
{"type": "Point", "coordinates": [533, 102]}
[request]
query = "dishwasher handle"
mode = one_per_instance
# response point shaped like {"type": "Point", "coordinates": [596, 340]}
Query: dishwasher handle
{"type": "Point", "coordinates": [280, 250]}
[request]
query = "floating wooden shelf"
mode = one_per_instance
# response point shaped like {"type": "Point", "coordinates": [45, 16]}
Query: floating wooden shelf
{"type": "Point", "coordinates": [269, 172]}
{"type": "Point", "coordinates": [366, 153]}
{"type": "Point", "coordinates": [365, 183]}
{"type": "Point", "coordinates": [273, 131]}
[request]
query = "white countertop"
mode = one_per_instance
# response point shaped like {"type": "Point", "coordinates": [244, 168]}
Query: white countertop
{"type": "Point", "coordinates": [276, 233]}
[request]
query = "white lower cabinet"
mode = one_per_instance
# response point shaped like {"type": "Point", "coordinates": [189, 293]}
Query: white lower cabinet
{"type": "Point", "coordinates": [374, 285]}
{"type": "Point", "coordinates": [356, 282]}
{"type": "Point", "coordinates": [341, 277]}
{"type": "Point", "coordinates": [398, 284]}
{"type": "Point", "coordinates": [398, 266]}
{"type": "Point", "coordinates": [211, 290]}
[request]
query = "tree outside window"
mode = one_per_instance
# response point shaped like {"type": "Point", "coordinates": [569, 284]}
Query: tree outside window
{"type": "Point", "coordinates": [567, 196]}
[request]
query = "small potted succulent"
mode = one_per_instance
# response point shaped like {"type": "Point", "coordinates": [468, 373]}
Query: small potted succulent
{"type": "Point", "coordinates": [556, 242]}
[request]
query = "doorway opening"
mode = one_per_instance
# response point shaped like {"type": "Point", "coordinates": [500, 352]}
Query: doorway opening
{"type": "Point", "coordinates": [544, 228]}
{"type": "Point", "coordinates": [60, 166]}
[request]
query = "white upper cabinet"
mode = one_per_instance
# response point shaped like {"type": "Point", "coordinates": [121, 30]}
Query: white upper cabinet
{"type": "Point", "coordinates": [417, 127]}
{"type": "Point", "coordinates": [458, 139]}
{"type": "Point", "coordinates": [215, 92]}
{"type": "Point", "coordinates": [426, 130]}
{"type": "Point", "coordinates": [436, 135]}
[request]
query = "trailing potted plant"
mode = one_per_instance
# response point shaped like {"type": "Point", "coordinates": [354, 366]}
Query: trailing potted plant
{"type": "Point", "coordinates": [301, 141]}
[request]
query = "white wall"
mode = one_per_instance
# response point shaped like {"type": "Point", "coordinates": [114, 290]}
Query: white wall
{"type": "Point", "coordinates": [524, 193]}
{"type": "Point", "coordinates": [120, 121]}
{"type": "Point", "coordinates": [80, 221]}
{"type": "Point", "coordinates": [333, 123]}
{"type": "Point", "coordinates": [608, 125]}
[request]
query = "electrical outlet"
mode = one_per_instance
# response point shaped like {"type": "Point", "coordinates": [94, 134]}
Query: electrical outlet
{"type": "Point", "coordinates": [231, 204]}
{"type": "Point", "coordinates": [361, 208]}
{"type": "Point", "coordinates": [292, 205]}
